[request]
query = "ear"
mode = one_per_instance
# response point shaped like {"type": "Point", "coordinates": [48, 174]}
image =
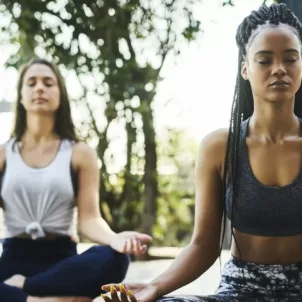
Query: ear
{"type": "Point", "coordinates": [244, 70]}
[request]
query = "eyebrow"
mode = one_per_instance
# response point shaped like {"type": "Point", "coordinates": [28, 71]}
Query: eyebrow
{"type": "Point", "coordinates": [47, 78]}
{"type": "Point", "coordinates": [269, 52]}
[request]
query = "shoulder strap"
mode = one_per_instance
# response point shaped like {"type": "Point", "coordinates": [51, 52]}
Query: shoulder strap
{"type": "Point", "coordinates": [9, 146]}
{"type": "Point", "coordinates": [69, 145]}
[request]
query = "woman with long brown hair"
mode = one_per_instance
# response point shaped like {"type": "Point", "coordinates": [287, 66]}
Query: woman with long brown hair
{"type": "Point", "coordinates": [46, 172]}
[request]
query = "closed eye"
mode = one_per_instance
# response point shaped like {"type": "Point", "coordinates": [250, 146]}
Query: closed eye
{"type": "Point", "coordinates": [264, 62]}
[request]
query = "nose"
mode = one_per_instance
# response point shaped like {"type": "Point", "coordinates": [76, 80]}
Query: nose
{"type": "Point", "coordinates": [279, 69]}
{"type": "Point", "coordinates": [39, 87]}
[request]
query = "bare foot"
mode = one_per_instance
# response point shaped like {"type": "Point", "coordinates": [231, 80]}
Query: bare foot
{"type": "Point", "coordinates": [16, 281]}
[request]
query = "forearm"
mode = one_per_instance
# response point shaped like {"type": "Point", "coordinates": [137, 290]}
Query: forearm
{"type": "Point", "coordinates": [191, 263]}
{"type": "Point", "coordinates": [96, 230]}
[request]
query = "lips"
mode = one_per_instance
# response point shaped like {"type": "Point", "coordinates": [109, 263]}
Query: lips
{"type": "Point", "coordinates": [280, 83]}
{"type": "Point", "coordinates": [40, 100]}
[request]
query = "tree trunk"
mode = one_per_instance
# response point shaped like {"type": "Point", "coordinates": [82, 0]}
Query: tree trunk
{"type": "Point", "coordinates": [150, 173]}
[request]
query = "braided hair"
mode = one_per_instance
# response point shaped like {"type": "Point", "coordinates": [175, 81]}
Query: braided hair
{"type": "Point", "coordinates": [243, 103]}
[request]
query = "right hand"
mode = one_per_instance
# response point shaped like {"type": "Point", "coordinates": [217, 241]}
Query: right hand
{"type": "Point", "coordinates": [134, 292]}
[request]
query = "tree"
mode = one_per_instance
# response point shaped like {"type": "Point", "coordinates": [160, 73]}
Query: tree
{"type": "Point", "coordinates": [116, 50]}
{"type": "Point", "coordinates": [231, 2]}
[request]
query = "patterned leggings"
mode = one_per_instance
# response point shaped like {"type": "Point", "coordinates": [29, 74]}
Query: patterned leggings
{"type": "Point", "coordinates": [249, 282]}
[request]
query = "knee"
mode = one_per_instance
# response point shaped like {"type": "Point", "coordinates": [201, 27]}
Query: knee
{"type": "Point", "coordinates": [117, 257]}
{"type": "Point", "coordinates": [116, 263]}
{"type": "Point", "coordinates": [119, 264]}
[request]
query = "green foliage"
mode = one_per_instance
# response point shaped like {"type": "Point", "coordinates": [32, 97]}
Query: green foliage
{"type": "Point", "coordinates": [231, 2]}
{"type": "Point", "coordinates": [175, 218]}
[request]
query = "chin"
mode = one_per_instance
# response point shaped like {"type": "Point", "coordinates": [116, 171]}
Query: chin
{"type": "Point", "coordinates": [42, 111]}
{"type": "Point", "coordinates": [280, 98]}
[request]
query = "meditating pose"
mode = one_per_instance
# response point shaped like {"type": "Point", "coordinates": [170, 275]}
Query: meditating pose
{"type": "Point", "coordinates": [47, 174]}
{"type": "Point", "coordinates": [251, 173]}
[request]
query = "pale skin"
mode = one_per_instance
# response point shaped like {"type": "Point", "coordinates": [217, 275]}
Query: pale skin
{"type": "Point", "coordinates": [41, 97]}
{"type": "Point", "coordinates": [275, 153]}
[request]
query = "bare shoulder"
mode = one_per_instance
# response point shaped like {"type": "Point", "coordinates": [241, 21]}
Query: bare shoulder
{"type": "Point", "coordinates": [215, 142]}
{"type": "Point", "coordinates": [2, 156]}
{"type": "Point", "coordinates": [216, 139]}
{"type": "Point", "coordinates": [83, 154]}
{"type": "Point", "coordinates": [213, 147]}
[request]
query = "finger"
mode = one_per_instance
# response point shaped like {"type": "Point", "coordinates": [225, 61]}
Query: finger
{"type": "Point", "coordinates": [143, 249]}
{"type": "Point", "coordinates": [107, 287]}
{"type": "Point", "coordinates": [136, 246]}
{"type": "Point", "coordinates": [131, 296]}
{"type": "Point", "coordinates": [126, 246]}
{"type": "Point", "coordinates": [113, 292]}
{"type": "Point", "coordinates": [124, 296]}
{"type": "Point", "coordinates": [129, 246]}
{"type": "Point", "coordinates": [143, 237]}
{"type": "Point", "coordinates": [106, 298]}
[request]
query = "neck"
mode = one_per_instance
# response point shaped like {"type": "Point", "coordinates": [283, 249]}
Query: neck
{"type": "Point", "coordinates": [39, 128]}
{"type": "Point", "coordinates": [273, 122]}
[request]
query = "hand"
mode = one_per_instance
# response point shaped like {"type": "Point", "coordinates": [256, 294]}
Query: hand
{"type": "Point", "coordinates": [130, 242]}
{"type": "Point", "coordinates": [133, 292]}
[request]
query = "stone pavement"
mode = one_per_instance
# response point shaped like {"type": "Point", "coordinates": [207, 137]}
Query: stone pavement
{"type": "Point", "coordinates": [145, 271]}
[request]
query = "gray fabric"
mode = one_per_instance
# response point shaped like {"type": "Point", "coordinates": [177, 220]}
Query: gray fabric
{"type": "Point", "coordinates": [38, 200]}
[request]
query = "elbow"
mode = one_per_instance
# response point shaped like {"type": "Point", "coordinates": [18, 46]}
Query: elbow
{"type": "Point", "coordinates": [208, 249]}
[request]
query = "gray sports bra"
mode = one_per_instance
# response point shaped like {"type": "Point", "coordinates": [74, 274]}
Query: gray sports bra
{"type": "Point", "coordinates": [263, 210]}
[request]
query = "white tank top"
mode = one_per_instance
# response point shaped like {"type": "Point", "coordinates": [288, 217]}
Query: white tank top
{"type": "Point", "coordinates": [38, 200]}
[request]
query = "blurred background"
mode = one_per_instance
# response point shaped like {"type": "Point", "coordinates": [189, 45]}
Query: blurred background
{"type": "Point", "coordinates": [147, 79]}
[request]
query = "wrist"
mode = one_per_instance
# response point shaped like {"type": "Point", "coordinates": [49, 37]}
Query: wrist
{"type": "Point", "coordinates": [159, 292]}
{"type": "Point", "coordinates": [111, 237]}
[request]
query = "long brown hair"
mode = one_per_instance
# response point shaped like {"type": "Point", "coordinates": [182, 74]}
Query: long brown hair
{"type": "Point", "coordinates": [64, 126]}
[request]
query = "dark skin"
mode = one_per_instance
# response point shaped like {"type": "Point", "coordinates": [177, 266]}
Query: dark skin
{"type": "Point", "coordinates": [275, 152]}
{"type": "Point", "coordinates": [274, 141]}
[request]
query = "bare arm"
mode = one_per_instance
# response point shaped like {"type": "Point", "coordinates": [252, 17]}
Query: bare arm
{"type": "Point", "coordinates": [91, 224]}
{"type": "Point", "coordinates": [203, 249]}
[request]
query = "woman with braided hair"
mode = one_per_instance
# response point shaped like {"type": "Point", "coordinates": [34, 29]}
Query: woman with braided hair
{"type": "Point", "coordinates": [250, 173]}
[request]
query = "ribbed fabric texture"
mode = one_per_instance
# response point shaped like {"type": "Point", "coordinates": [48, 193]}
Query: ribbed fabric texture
{"type": "Point", "coordinates": [38, 200]}
{"type": "Point", "coordinates": [263, 210]}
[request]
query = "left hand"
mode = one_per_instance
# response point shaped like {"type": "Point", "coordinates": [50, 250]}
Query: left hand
{"type": "Point", "coordinates": [130, 242]}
